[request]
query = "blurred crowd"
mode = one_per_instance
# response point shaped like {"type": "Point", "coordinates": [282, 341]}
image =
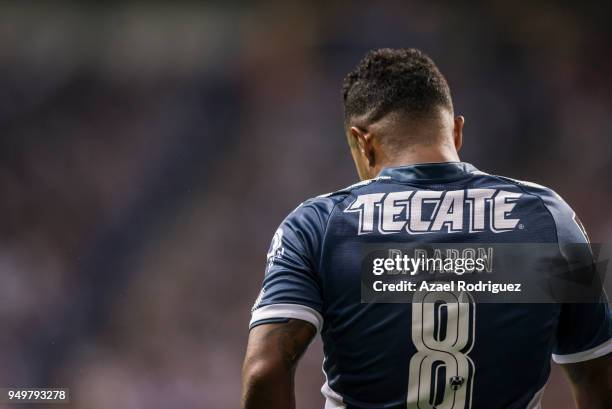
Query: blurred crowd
{"type": "Point", "coordinates": [148, 153]}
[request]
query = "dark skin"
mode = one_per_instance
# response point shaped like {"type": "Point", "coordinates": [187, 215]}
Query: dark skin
{"type": "Point", "coordinates": [269, 367]}
{"type": "Point", "coordinates": [591, 382]}
{"type": "Point", "coordinates": [274, 350]}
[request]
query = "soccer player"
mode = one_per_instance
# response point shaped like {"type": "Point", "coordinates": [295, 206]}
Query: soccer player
{"type": "Point", "coordinates": [404, 139]}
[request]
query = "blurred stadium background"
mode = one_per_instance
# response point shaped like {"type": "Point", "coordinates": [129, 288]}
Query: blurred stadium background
{"type": "Point", "coordinates": [148, 153]}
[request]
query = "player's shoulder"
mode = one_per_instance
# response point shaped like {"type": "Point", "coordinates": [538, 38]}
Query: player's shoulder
{"type": "Point", "coordinates": [355, 187]}
{"type": "Point", "coordinates": [548, 195]}
{"type": "Point", "coordinates": [325, 203]}
{"type": "Point", "coordinates": [307, 223]}
{"type": "Point", "coordinates": [568, 225]}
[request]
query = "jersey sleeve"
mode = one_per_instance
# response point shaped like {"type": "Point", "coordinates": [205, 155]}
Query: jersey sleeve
{"type": "Point", "coordinates": [584, 331]}
{"type": "Point", "coordinates": [292, 286]}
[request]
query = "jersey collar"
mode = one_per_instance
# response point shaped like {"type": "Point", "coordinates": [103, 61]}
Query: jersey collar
{"type": "Point", "coordinates": [430, 172]}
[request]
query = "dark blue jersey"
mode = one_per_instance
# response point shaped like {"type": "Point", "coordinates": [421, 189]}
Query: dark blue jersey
{"type": "Point", "coordinates": [382, 355]}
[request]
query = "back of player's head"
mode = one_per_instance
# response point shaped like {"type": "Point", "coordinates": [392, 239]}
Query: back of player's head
{"type": "Point", "coordinates": [404, 81]}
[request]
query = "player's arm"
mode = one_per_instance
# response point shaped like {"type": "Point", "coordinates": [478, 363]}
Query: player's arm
{"type": "Point", "coordinates": [584, 331]}
{"type": "Point", "coordinates": [289, 310]}
{"type": "Point", "coordinates": [272, 355]}
{"type": "Point", "coordinates": [591, 382]}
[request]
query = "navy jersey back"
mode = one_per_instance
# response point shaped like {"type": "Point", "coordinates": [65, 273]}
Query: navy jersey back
{"type": "Point", "coordinates": [381, 355]}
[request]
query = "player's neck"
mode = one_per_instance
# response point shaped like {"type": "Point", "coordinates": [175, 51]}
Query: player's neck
{"type": "Point", "coordinates": [422, 154]}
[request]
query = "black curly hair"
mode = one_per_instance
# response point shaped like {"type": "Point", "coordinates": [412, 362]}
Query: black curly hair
{"type": "Point", "coordinates": [389, 80]}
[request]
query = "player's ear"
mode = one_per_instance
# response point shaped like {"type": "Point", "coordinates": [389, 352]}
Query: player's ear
{"type": "Point", "coordinates": [365, 144]}
{"type": "Point", "coordinates": [458, 132]}
{"type": "Point", "coordinates": [362, 149]}
{"type": "Point", "coordinates": [355, 134]}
